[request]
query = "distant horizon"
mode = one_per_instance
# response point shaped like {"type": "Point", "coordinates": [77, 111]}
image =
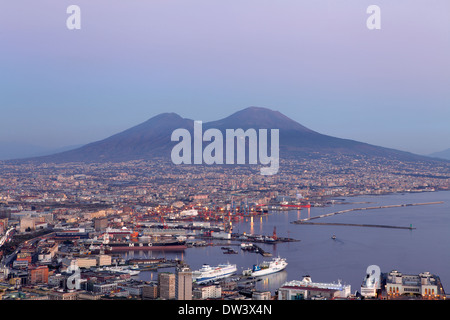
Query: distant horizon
{"type": "Point", "coordinates": [314, 61]}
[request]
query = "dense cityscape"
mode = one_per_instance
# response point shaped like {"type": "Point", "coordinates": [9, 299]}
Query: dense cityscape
{"type": "Point", "coordinates": [63, 226]}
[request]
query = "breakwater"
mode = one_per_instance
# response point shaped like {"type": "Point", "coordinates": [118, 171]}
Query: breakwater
{"type": "Point", "coordinates": [354, 225]}
{"type": "Point", "coordinates": [366, 208]}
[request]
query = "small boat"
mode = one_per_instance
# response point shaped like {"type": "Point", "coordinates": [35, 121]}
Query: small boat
{"type": "Point", "coordinates": [333, 237]}
{"type": "Point", "coordinates": [230, 251]}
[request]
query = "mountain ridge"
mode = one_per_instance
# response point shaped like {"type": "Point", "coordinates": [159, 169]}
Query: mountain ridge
{"type": "Point", "coordinates": [152, 139]}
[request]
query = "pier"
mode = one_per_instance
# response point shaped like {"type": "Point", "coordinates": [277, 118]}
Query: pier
{"type": "Point", "coordinates": [262, 252]}
{"type": "Point", "coordinates": [353, 225]}
{"type": "Point", "coordinates": [366, 208]}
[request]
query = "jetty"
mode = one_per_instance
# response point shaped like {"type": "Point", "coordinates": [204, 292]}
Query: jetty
{"type": "Point", "coordinates": [261, 251]}
{"type": "Point", "coordinates": [366, 208]}
{"type": "Point", "coordinates": [353, 225]}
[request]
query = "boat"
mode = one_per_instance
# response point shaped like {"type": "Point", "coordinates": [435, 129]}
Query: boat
{"type": "Point", "coordinates": [371, 284]}
{"type": "Point", "coordinates": [333, 237]}
{"type": "Point", "coordinates": [230, 251]}
{"type": "Point", "coordinates": [266, 267]}
{"type": "Point", "coordinates": [189, 213]}
{"type": "Point", "coordinates": [119, 269]}
{"type": "Point", "coordinates": [247, 247]}
{"type": "Point", "coordinates": [145, 246]}
{"type": "Point", "coordinates": [208, 274]}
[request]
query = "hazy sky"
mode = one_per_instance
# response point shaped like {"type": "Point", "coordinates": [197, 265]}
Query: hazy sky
{"type": "Point", "coordinates": [313, 60]}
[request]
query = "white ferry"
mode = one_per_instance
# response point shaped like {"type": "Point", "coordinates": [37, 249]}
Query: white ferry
{"type": "Point", "coordinates": [132, 271]}
{"type": "Point", "coordinates": [208, 273]}
{"type": "Point", "coordinates": [266, 267]}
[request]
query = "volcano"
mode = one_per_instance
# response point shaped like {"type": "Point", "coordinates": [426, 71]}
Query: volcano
{"type": "Point", "coordinates": [152, 139]}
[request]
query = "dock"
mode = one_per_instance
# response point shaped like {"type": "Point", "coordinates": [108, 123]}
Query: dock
{"type": "Point", "coordinates": [261, 251]}
{"type": "Point", "coordinates": [353, 225]}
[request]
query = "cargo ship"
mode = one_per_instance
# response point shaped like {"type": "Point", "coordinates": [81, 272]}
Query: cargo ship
{"type": "Point", "coordinates": [209, 274]}
{"type": "Point", "coordinates": [266, 267]}
{"type": "Point", "coordinates": [135, 246]}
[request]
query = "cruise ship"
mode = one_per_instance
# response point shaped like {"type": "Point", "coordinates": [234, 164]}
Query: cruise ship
{"type": "Point", "coordinates": [371, 283]}
{"type": "Point", "coordinates": [208, 273]}
{"type": "Point", "coordinates": [266, 267]}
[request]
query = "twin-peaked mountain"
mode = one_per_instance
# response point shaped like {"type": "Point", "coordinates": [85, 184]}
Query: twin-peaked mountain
{"type": "Point", "coordinates": [152, 139]}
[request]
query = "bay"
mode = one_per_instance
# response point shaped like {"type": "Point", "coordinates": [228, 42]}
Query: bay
{"type": "Point", "coordinates": [346, 258]}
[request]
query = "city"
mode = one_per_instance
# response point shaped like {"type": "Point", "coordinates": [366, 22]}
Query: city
{"type": "Point", "coordinates": [57, 218]}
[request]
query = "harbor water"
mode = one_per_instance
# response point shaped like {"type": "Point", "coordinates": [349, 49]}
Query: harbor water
{"type": "Point", "coordinates": [345, 258]}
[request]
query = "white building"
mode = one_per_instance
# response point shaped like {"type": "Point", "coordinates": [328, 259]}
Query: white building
{"type": "Point", "coordinates": [306, 290]}
{"type": "Point", "coordinates": [261, 295]}
{"type": "Point", "coordinates": [424, 284]}
{"type": "Point", "coordinates": [207, 292]}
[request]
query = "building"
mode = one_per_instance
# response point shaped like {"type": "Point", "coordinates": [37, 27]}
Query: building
{"type": "Point", "coordinates": [104, 288]}
{"type": "Point", "coordinates": [4, 271]}
{"type": "Point", "coordinates": [423, 285]}
{"type": "Point", "coordinates": [62, 295]}
{"type": "Point", "coordinates": [183, 283]}
{"type": "Point", "coordinates": [86, 262]}
{"type": "Point", "coordinates": [29, 220]}
{"type": "Point", "coordinates": [100, 224]}
{"type": "Point", "coordinates": [261, 295]}
{"type": "Point", "coordinates": [38, 274]}
{"type": "Point", "coordinates": [89, 296]}
{"type": "Point", "coordinates": [150, 292]}
{"type": "Point", "coordinates": [20, 264]}
{"type": "Point", "coordinates": [56, 280]}
{"type": "Point", "coordinates": [47, 251]}
{"type": "Point", "coordinates": [207, 292]}
{"type": "Point", "coordinates": [133, 288]}
{"type": "Point", "coordinates": [166, 285]}
{"type": "Point", "coordinates": [103, 260]}
{"type": "Point", "coordinates": [3, 225]}
{"type": "Point", "coordinates": [27, 224]}
{"type": "Point", "coordinates": [308, 290]}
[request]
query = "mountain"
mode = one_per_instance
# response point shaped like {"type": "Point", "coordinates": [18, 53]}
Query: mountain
{"type": "Point", "coordinates": [145, 141]}
{"type": "Point", "coordinates": [258, 118]}
{"type": "Point", "coordinates": [152, 139]}
{"type": "Point", "coordinates": [441, 154]}
{"type": "Point", "coordinates": [299, 141]}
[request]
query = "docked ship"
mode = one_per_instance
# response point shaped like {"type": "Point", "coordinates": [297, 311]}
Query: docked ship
{"type": "Point", "coordinates": [370, 284]}
{"type": "Point", "coordinates": [132, 271]}
{"type": "Point", "coordinates": [208, 273]}
{"type": "Point", "coordinates": [71, 234]}
{"type": "Point", "coordinates": [146, 246]}
{"type": "Point", "coordinates": [266, 267]}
